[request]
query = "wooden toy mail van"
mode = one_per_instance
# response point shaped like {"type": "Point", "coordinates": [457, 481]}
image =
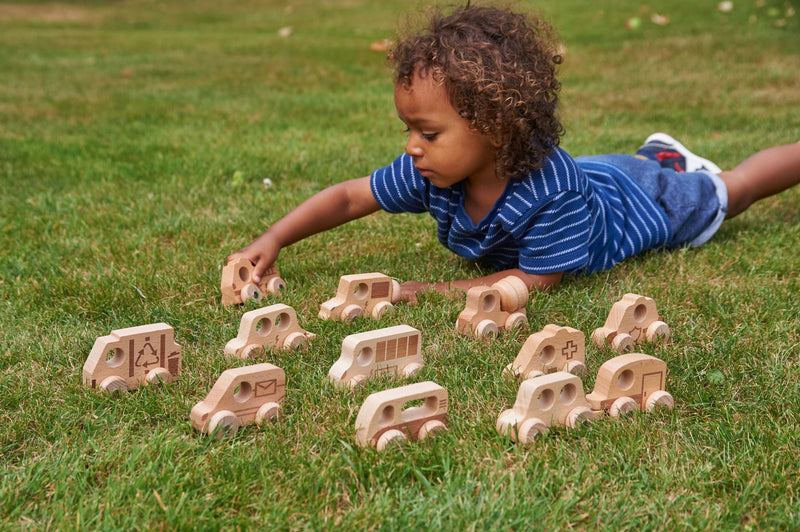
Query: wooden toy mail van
{"type": "Point", "coordinates": [371, 294]}
{"type": "Point", "coordinates": [552, 349]}
{"type": "Point", "coordinates": [129, 357]}
{"type": "Point", "coordinates": [237, 285]}
{"type": "Point", "coordinates": [239, 397]}
{"type": "Point", "coordinates": [631, 320]}
{"type": "Point", "coordinates": [272, 327]}
{"type": "Point", "coordinates": [390, 351]}
{"type": "Point", "coordinates": [629, 382]}
{"type": "Point", "coordinates": [383, 420]}
{"type": "Point", "coordinates": [556, 399]}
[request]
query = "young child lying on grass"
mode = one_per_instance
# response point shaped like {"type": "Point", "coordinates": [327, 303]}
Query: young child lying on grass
{"type": "Point", "coordinates": [478, 92]}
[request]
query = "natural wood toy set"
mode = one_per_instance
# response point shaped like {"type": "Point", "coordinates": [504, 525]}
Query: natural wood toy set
{"type": "Point", "coordinates": [549, 364]}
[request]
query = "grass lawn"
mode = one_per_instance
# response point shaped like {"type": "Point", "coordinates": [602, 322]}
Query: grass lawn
{"type": "Point", "coordinates": [134, 141]}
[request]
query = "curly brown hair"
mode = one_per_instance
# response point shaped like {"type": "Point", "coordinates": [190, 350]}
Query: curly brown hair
{"type": "Point", "coordinates": [499, 70]}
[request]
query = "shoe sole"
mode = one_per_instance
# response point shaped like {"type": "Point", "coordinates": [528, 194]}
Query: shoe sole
{"type": "Point", "coordinates": [693, 162]}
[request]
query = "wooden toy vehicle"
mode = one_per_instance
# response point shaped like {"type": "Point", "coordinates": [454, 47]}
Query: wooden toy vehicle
{"type": "Point", "coordinates": [551, 400]}
{"type": "Point", "coordinates": [552, 349]}
{"type": "Point", "coordinates": [273, 327]}
{"type": "Point", "coordinates": [631, 320]}
{"type": "Point", "coordinates": [368, 293]}
{"type": "Point", "coordinates": [493, 308]}
{"type": "Point", "coordinates": [129, 357]}
{"type": "Point", "coordinates": [237, 284]}
{"type": "Point", "coordinates": [393, 350]}
{"type": "Point", "coordinates": [240, 396]}
{"type": "Point", "coordinates": [382, 419]}
{"type": "Point", "coordinates": [629, 382]}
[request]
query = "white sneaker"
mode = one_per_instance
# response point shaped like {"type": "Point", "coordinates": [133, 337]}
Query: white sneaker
{"type": "Point", "coordinates": [693, 162]}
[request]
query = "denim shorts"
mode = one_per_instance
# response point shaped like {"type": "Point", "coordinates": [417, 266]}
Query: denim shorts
{"type": "Point", "coordinates": [695, 202]}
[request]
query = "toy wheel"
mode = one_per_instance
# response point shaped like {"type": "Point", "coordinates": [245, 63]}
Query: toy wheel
{"type": "Point", "coordinates": [658, 330]}
{"type": "Point", "coordinates": [352, 312]}
{"type": "Point", "coordinates": [357, 381]}
{"type": "Point", "coordinates": [530, 429]}
{"type": "Point", "coordinates": [223, 423]}
{"type": "Point", "coordinates": [486, 328]}
{"type": "Point", "coordinates": [412, 369]}
{"type": "Point", "coordinates": [622, 343]}
{"type": "Point", "coordinates": [158, 376]}
{"type": "Point", "coordinates": [392, 436]}
{"type": "Point", "coordinates": [511, 372]}
{"type": "Point", "coordinates": [250, 291]}
{"type": "Point", "coordinates": [430, 428]}
{"type": "Point", "coordinates": [622, 407]}
{"type": "Point", "coordinates": [267, 412]}
{"type": "Point", "coordinates": [114, 384]}
{"type": "Point", "coordinates": [296, 340]}
{"type": "Point", "coordinates": [252, 351]}
{"type": "Point", "coordinates": [659, 399]}
{"type": "Point", "coordinates": [276, 285]}
{"type": "Point", "coordinates": [516, 320]}
{"type": "Point", "coordinates": [532, 374]}
{"type": "Point", "coordinates": [579, 415]}
{"type": "Point", "coordinates": [576, 367]}
{"type": "Point", "coordinates": [599, 337]}
{"type": "Point", "coordinates": [506, 424]}
{"type": "Point", "coordinates": [381, 308]}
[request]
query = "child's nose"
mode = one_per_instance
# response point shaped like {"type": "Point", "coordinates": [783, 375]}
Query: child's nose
{"type": "Point", "coordinates": [413, 148]}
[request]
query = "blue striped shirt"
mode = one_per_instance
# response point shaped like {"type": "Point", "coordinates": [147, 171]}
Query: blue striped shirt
{"type": "Point", "coordinates": [573, 217]}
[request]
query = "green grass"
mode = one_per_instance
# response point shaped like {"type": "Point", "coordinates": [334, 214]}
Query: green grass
{"type": "Point", "coordinates": [134, 138]}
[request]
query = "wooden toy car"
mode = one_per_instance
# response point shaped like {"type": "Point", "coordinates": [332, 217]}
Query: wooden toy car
{"type": "Point", "coordinates": [273, 327]}
{"type": "Point", "coordinates": [629, 382]}
{"type": "Point", "coordinates": [237, 284]}
{"type": "Point", "coordinates": [129, 357]}
{"type": "Point", "coordinates": [552, 349]}
{"type": "Point", "coordinates": [490, 309]}
{"type": "Point", "coordinates": [556, 399]}
{"type": "Point", "coordinates": [368, 293]}
{"type": "Point", "coordinates": [240, 396]}
{"type": "Point", "coordinates": [631, 320]}
{"type": "Point", "coordinates": [393, 350]}
{"type": "Point", "coordinates": [382, 419]}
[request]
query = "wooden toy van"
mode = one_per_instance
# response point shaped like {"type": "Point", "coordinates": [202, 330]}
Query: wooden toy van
{"type": "Point", "coordinates": [490, 309]}
{"type": "Point", "coordinates": [272, 327]}
{"type": "Point", "coordinates": [129, 357]}
{"type": "Point", "coordinates": [631, 320]}
{"type": "Point", "coordinates": [370, 294]}
{"type": "Point", "coordinates": [237, 285]}
{"type": "Point", "coordinates": [390, 351]}
{"type": "Point", "coordinates": [382, 419]}
{"type": "Point", "coordinates": [556, 399]}
{"type": "Point", "coordinates": [240, 396]}
{"type": "Point", "coordinates": [629, 382]}
{"type": "Point", "coordinates": [552, 349]}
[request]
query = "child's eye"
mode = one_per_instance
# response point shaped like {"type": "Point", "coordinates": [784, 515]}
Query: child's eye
{"type": "Point", "coordinates": [428, 136]}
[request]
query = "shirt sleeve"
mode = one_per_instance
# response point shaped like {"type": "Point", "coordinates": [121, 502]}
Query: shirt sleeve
{"type": "Point", "coordinates": [399, 187]}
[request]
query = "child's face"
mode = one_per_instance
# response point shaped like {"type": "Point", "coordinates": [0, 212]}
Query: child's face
{"type": "Point", "coordinates": [444, 148]}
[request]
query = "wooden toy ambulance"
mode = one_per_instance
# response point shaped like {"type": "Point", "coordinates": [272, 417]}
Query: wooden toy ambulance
{"type": "Point", "coordinates": [237, 284]}
{"type": "Point", "coordinates": [129, 357]}
{"type": "Point", "coordinates": [382, 419]}
{"type": "Point", "coordinates": [629, 382]}
{"type": "Point", "coordinates": [272, 327]}
{"type": "Point", "coordinates": [239, 397]}
{"type": "Point", "coordinates": [556, 399]}
{"type": "Point", "coordinates": [361, 294]}
{"type": "Point", "coordinates": [552, 349]}
{"type": "Point", "coordinates": [490, 309]}
{"type": "Point", "coordinates": [632, 319]}
{"type": "Point", "coordinates": [390, 351]}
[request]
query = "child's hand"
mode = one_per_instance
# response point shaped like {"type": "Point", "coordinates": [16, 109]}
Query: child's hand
{"type": "Point", "coordinates": [262, 252]}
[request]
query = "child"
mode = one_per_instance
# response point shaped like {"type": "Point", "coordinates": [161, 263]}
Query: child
{"type": "Point", "coordinates": [478, 93]}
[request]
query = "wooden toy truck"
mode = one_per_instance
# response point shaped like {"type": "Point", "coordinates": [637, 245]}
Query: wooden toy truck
{"type": "Point", "coordinates": [631, 320]}
{"type": "Point", "coordinates": [240, 396]}
{"type": "Point", "coordinates": [129, 357]}
{"type": "Point", "coordinates": [382, 419]}
{"type": "Point", "coordinates": [368, 293]}
{"type": "Point", "coordinates": [551, 400]}
{"type": "Point", "coordinates": [274, 327]}
{"type": "Point", "coordinates": [237, 284]}
{"type": "Point", "coordinates": [552, 349]}
{"type": "Point", "coordinates": [393, 350]}
{"type": "Point", "coordinates": [490, 309]}
{"type": "Point", "coordinates": [629, 382]}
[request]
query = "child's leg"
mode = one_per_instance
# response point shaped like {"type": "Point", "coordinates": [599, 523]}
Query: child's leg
{"type": "Point", "coordinates": [761, 175]}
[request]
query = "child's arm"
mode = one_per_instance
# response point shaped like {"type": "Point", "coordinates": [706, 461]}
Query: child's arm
{"type": "Point", "coordinates": [324, 210]}
{"type": "Point", "coordinates": [410, 289]}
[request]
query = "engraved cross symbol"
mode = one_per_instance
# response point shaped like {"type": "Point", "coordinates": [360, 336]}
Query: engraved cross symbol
{"type": "Point", "coordinates": [570, 348]}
